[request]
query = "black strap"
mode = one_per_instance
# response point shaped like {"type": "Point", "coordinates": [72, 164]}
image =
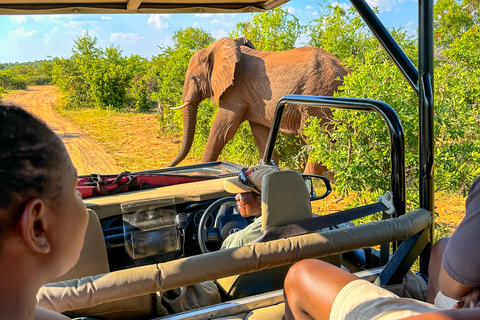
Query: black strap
{"type": "Point", "coordinates": [319, 223]}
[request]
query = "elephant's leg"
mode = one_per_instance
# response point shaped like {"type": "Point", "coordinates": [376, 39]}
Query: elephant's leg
{"type": "Point", "coordinates": [314, 168]}
{"type": "Point", "coordinates": [260, 134]}
{"type": "Point", "coordinates": [224, 127]}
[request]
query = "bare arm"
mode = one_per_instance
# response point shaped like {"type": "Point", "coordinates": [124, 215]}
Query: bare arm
{"type": "Point", "coordinates": [452, 288]}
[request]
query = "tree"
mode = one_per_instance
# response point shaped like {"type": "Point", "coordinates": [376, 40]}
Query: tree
{"type": "Point", "coordinates": [360, 154]}
{"type": "Point", "coordinates": [276, 30]}
{"type": "Point", "coordinates": [96, 77]}
{"type": "Point", "coordinates": [452, 19]}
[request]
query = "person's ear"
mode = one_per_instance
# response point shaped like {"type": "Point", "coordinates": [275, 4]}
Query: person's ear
{"type": "Point", "coordinates": [33, 225]}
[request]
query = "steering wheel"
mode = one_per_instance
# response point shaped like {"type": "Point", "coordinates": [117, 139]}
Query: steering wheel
{"type": "Point", "coordinates": [227, 220]}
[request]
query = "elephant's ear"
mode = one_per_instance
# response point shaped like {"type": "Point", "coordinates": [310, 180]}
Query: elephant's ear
{"type": "Point", "coordinates": [224, 55]}
{"type": "Point", "coordinates": [243, 41]}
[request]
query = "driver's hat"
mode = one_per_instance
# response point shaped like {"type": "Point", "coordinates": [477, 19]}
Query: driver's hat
{"type": "Point", "coordinates": [248, 180]}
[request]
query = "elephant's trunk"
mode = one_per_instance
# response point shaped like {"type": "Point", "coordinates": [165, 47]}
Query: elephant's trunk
{"type": "Point", "coordinates": [189, 114]}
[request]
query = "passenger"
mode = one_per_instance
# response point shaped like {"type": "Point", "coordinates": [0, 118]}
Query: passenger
{"type": "Point", "coordinates": [42, 216]}
{"type": "Point", "coordinates": [248, 188]}
{"type": "Point", "coordinates": [453, 269]}
{"type": "Point", "coordinates": [316, 290]}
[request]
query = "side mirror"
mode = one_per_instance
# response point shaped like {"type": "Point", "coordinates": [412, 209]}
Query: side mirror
{"type": "Point", "coordinates": [319, 187]}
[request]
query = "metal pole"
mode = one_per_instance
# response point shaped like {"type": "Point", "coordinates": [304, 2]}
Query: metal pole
{"type": "Point", "coordinates": [426, 119]}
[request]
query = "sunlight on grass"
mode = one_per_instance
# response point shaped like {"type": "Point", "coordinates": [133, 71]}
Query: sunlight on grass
{"type": "Point", "coordinates": [133, 139]}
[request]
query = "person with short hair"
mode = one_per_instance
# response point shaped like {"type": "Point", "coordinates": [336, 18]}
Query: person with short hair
{"type": "Point", "coordinates": [248, 187]}
{"type": "Point", "coordinates": [42, 216]}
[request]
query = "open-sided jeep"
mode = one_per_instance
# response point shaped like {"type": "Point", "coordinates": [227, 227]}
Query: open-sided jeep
{"type": "Point", "coordinates": [147, 252]}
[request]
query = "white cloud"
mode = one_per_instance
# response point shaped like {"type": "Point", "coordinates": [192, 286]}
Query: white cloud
{"type": "Point", "coordinates": [409, 23]}
{"type": "Point", "coordinates": [55, 30]}
{"type": "Point", "coordinates": [21, 33]}
{"type": "Point", "coordinates": [346, 6]}
{"type": "Point", "coordinates": [308, 7]}
{"type": "Point", "coordinates": [38, 18]}
{"type": "Point", "coordinates": [386, 5]}
{"type": "Point", "coordinates": [215, 21]}
{"type": "Point", "coordinates": [106, 18]}
{"type": "Point", "coordinates": [158, 21]}
{"type": "Point", "coordinates": [290, 9]}
{"type": "Point", "coordinates": [195, 24]}
{"type": "Point", "coordinates": [126, 38]}
{"type": "Point", "coordinates": [18, 19]}
{"type": "Point", "coordinates": [204, 15]}
{"type": "Point", "coordinates": [314, 13]}
{"type": "Point", "coordinates": [221, 33]}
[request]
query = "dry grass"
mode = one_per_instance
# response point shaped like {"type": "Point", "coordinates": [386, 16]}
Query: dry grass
{"type": "Point", "coordinates": [133, 139]}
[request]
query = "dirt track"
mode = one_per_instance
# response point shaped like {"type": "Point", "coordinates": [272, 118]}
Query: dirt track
{"type": "Point", "coordinates": [87, 155]}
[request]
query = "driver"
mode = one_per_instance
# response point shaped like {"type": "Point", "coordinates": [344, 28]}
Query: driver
{"type": "Point", "coordinates": [247, 186]}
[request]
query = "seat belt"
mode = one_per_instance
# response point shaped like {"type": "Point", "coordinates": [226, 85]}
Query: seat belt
{"type": "Point", "coordinates": [319, 223]}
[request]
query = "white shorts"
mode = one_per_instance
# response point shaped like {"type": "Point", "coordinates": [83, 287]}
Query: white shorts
{"type": "Point", "coordinates": [443, 301]}
{"type": "Point", "coordinates": [362, 300]}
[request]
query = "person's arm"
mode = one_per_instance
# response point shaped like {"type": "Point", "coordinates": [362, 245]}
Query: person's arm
{"type": "Point", "coordinates": [452, 288]}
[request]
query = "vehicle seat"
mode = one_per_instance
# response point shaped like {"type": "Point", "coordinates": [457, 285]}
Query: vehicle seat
{"type": "Point", "coordinates": [94, 261]}
{"type": "Point", "coordinates": [285, 200]}
{"type": "Point", "coordinates": [93, 257]}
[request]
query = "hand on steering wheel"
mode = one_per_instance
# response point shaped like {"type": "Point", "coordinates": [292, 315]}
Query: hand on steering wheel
{"type": "Point", "coordinates": [225, 221]}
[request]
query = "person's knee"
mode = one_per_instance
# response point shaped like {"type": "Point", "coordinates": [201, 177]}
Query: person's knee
{"type": "Point", "coordinates": [439, 246]}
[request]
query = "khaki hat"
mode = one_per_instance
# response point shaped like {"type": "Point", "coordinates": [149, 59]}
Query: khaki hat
{"type": "Point", "coordinates": [254, 179]}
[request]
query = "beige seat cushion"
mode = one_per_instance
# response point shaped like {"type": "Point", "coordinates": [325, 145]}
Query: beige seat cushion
{"type": "Point", "coordinates": [93, 257]}
{"type": "Point", "coordinates": [285, 199]}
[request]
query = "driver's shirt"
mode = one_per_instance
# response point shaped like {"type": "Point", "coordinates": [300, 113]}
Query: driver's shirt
{"type": "Point", "coordinates": [244, 236]}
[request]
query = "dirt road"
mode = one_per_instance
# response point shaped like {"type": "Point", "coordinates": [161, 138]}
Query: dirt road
{"type": "Point", "coordinates": [87, 155]}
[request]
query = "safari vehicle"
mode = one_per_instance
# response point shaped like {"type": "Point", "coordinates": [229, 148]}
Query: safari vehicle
{"type": "Point", "coordinates": [157, 229]}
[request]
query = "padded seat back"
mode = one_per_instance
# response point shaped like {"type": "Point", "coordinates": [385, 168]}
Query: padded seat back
{"type": "Point", "coordinates": [93, 258]}
{"type": "Point", "coordinates": [285, 200]}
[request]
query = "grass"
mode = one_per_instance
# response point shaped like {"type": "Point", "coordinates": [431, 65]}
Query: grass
{"type": "Point", "coordinates": [133, 139]}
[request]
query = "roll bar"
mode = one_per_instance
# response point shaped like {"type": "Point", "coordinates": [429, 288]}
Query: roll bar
{"type": "Point", "coordinates": [422, 83]}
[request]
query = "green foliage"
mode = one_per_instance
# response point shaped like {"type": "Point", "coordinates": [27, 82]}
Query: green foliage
{"type": "Point", "coordinates": [360, 154]}
{"type": "Point", "coordinates": [96, 77]}
{"type": "Point", "coordinates": [168, 72]}
{"type": "Point", "coordinates": [275, 30]}
{"type": "Point", "coordinates": [17, 76]}
{"type": "Point", "coordinates": [465, 49]}
{"type": "Point", "coordinates": [12, 81]}
{"type": "Point", "coordinates": [452, 19]}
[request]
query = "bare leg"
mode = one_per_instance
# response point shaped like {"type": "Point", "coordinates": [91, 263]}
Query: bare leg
{"type": "Point", "coordinates": [311, 287]}
{"type": "Point", "coordinates": [434, 269]}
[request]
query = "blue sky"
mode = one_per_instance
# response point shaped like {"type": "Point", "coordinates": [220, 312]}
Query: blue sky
{"type": "Point", "coordinates": [29, 38]}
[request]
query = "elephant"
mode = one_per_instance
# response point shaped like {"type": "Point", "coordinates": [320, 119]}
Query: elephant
{"type": "Point", "coordinates": [247, 84]}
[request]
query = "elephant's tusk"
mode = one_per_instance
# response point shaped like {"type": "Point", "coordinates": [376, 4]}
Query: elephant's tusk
{"type": "Point", "coordinates": [180, 107]}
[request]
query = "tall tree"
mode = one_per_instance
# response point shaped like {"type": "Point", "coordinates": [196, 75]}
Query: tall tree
{"type": "Point", "coordinates": [452, 19]}
{"type": "Point", "coordinates": [275, 30]}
